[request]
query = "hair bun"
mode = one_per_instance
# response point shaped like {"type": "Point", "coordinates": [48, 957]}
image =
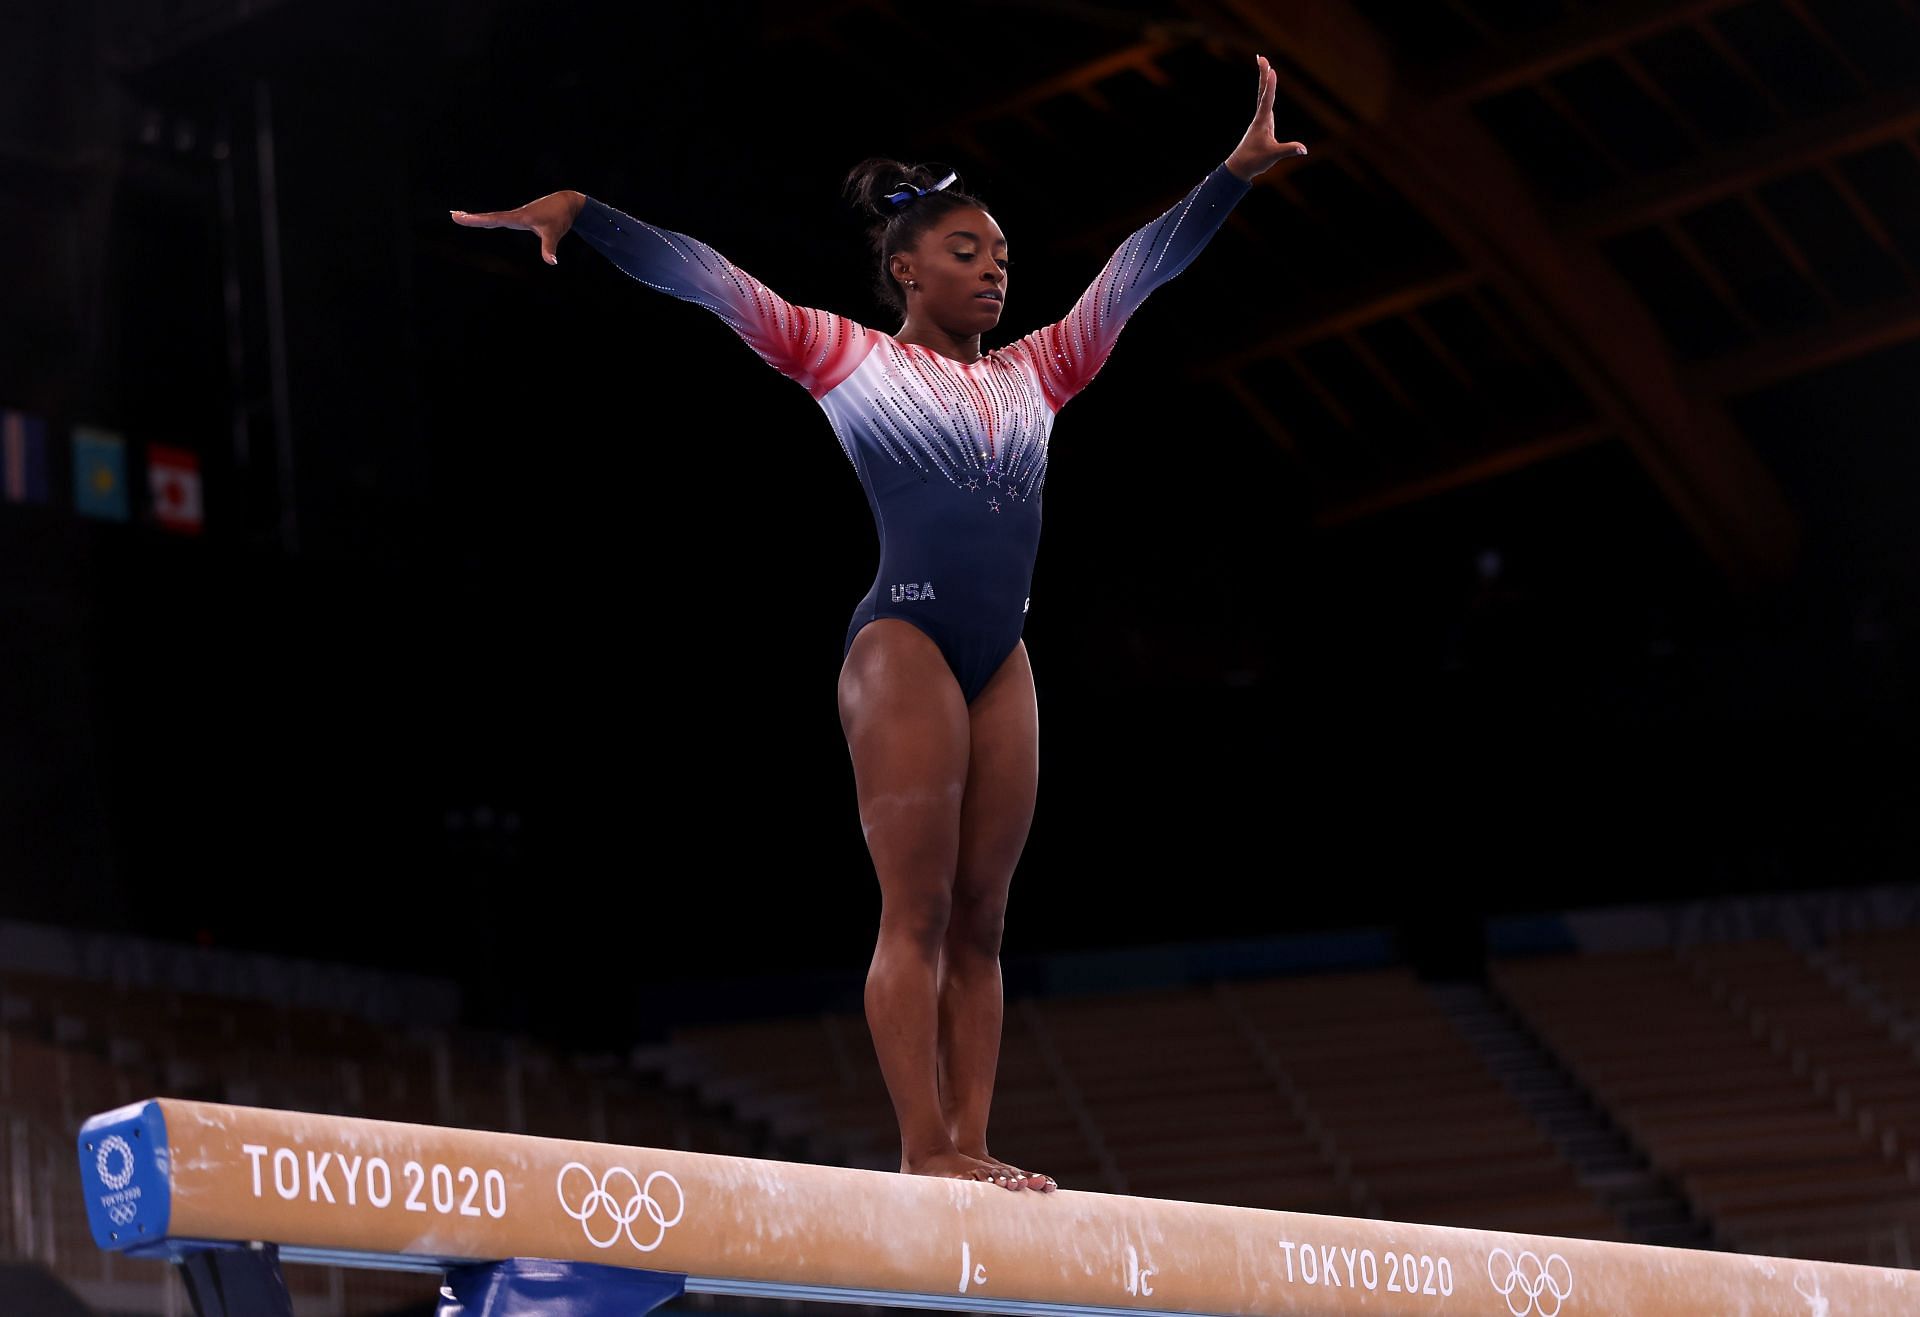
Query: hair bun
{"type": "Point", "coordinates": [875, 182]}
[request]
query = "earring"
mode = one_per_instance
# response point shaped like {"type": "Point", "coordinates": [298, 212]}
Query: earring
{"type": "Point", "coordinates": [911, 284]}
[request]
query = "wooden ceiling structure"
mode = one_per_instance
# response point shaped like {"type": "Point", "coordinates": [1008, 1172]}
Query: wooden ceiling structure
{"type": "Point", "coordinates": [1589, 223]}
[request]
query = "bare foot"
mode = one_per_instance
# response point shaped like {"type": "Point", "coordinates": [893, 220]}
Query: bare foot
{"type": "Point", "coordinates": [959, 1166]}
{"type": "Point", "coordinates": [1017, 1178]}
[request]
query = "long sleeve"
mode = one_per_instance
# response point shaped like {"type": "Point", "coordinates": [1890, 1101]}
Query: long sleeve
{"type": "Point", "coordinates": [817, 349]}
{"type": "Point", "coordinates": [1069, 353]}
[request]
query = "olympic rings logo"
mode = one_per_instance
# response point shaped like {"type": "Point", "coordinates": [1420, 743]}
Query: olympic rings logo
{"type": "Point", "coordinates": [114, 1178]}
{"type": "Point", "coordinates": [123, 1213]}
{"type": "Point", "coordinates": [622, 1213]}
{"type": "Point", "coordinates": [1530, 1285]}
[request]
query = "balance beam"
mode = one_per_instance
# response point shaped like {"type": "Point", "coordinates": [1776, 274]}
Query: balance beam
{"type": "Point", "coordinates": [167, 1178]}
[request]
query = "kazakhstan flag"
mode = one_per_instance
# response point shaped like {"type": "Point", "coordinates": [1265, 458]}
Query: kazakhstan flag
{"type": "Point", "coordinates": [99, 473]}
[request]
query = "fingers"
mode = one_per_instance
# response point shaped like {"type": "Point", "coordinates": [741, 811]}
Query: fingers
{"type": "Point", "coordinates": [509, 219]}
{"type": "Point", "coordinates": [492, 219]}
{"type": "Point", "coordinates": [1263, 105]}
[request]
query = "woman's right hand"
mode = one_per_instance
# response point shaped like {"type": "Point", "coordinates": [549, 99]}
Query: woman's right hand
{"type": "Point", "coordinates": [550, 217]}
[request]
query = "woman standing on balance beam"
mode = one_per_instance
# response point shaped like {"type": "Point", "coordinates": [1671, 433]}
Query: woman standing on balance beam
{"type": "Point", "coordinates": [936, 694]}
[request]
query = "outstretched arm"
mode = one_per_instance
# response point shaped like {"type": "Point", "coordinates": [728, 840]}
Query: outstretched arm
{"type": "Point", "coordinates": [1069, 354]}
{"type": "Point", "coordinates": [815, 348]}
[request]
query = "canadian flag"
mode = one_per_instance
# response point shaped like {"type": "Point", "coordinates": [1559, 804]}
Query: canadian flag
{"type": "Point", "coordinates": [173, 476]}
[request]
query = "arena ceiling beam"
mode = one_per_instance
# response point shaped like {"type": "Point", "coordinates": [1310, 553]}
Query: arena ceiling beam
{"type": "Point", "coordinates": [1633, 205]}
{"type": "Point", "coordinates": [1854, 334]}
{"type": "Point", "coordinates": [1584, 35]}
{"type": "Point", "coordinates": [1442, 160]}
{"type": "Point", "coordinates": [1500, 461]}
{"type": "Point", "coordinates": [1353, 308]}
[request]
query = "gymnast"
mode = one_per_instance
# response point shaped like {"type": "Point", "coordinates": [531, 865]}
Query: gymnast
{"type": "Point", "coordinates": [936, 694]}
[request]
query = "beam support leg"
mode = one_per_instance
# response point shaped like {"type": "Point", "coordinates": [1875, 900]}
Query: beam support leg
{"type": "Point", "coordinates": [242, 1281]}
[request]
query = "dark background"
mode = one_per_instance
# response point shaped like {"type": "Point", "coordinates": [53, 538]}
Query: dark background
{"type": "Point", "coordinates": [509, 650]}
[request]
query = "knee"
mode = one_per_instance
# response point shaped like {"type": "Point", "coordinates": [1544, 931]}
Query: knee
{"type": "Point", "coordinates": [920, 920]}
{"type": "Point", "coordinates": [975, 925]}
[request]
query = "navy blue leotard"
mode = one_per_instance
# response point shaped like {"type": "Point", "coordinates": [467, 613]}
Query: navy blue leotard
{"type": "Point", "coordinates": [952, 454]}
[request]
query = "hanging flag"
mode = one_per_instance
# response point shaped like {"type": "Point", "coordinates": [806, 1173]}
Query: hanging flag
{"type": "Point", "coordinates": [23, 456]}
{"type": "Point", "coordinates": [173, 479]}
{"type": "Point", "coordinates": [99, 473]}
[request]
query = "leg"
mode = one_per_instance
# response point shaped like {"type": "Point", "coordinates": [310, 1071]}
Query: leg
{"type": "Point", "coordinates": [995, 816]}
{"type": "Point", "coordinates": [906, 728]}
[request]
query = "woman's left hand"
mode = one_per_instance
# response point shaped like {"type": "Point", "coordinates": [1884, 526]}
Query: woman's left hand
{"type": "Point", "coordinates": [1259, 150]}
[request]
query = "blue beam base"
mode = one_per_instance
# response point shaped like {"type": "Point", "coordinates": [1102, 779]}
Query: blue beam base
{"type": "Point", "coordinates": [538, 1287]}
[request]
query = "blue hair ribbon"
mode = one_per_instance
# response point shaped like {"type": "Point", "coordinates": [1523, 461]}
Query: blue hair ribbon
{"type": "Point", "coordinates": [908, 193]}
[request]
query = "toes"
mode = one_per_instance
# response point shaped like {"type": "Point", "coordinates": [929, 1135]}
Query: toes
{"type": "Point", "coordinates": [1008, 1176]}
{"type": "Point", "coordinates": [1019, 1179]}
